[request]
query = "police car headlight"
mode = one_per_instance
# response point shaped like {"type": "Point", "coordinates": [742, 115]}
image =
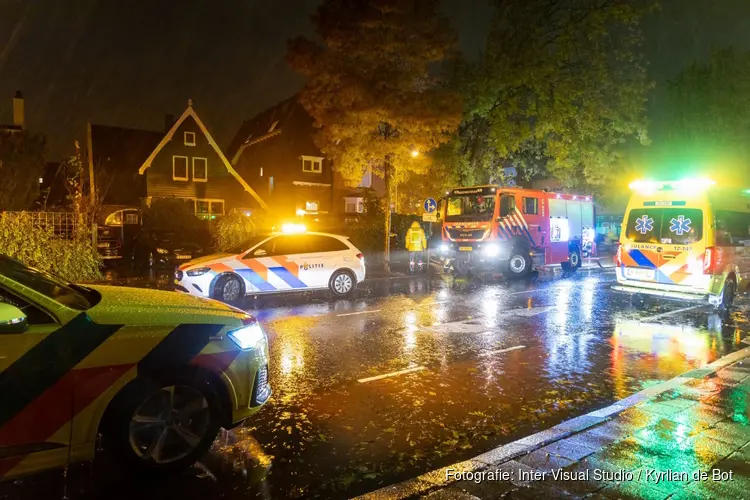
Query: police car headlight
{"type": "Point", "coordinates": [491, 250]}
{"type": "Point", "coordinates": [162, 251]}
{"type": "Point", "coordinates": [248, 337]}
{"type": "Point", "coordinates": [198, 272]}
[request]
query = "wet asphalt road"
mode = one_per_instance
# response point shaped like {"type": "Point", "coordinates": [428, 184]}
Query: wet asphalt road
{"type": "Point", "coordinates": [490, 362]}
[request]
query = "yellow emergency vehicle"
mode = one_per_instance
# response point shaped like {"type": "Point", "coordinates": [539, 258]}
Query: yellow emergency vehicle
{"type": "Point", "coordinates": [686, 240]}
{"type": "Point", "coordinates": [155, 373]}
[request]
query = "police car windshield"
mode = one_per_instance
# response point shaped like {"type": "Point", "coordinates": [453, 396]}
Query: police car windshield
{"type": "Point", "coordinates": [248, 244]}
{"type": "Point", "coordinates": [44, 283]}
{"type": "Point", "coordinates": [470, 207]}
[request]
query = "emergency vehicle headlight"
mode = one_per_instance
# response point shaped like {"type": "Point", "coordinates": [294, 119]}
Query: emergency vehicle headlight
{"type": "Point", "coordinates": [249, 337]}
{"type": "Point", "coordinates": [444, 247]}
{"type": "Point", "coordinates": [198, 272]}
{"type": "Point", "coordinates": [491, 250]}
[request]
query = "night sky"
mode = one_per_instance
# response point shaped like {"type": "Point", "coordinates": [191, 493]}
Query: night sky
{"type": "Point", "coordinates": [128, 63]}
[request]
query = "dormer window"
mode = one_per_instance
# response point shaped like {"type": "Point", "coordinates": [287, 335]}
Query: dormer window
{"type": "Point", "coordinates": [189, 138]}
{"type": "Point", "coordinates": [312, 164]}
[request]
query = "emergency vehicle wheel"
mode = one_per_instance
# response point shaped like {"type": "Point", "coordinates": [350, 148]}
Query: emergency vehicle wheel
{"type": "Point", "coordinates": [574, 260]}
{"type": "Point", "coordinates": [342, 283]}
{"type": "Point", "coordinates": [228, 288]}
{"type": "Point", "coordinates": [519, 264]}
{"type": "Point", "coordinates": [163, 426]}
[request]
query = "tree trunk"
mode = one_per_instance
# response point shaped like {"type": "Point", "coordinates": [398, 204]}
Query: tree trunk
{"type": "Point", "coordinates": [387, 179]}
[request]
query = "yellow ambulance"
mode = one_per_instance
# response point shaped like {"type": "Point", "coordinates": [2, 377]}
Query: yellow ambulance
{"type": "Point", "coordinates": [686, 240]}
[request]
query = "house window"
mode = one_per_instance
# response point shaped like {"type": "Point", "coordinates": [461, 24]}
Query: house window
{"type": "Point", "coordinates": [312, 164]}
{"type": "Point", "coordinates": [366, 179]}
{"type": "Point", "coordinates": [261, 171]}
{"type": "Point", "coordinates": [209, 209]}
{"type": "Point", "coordinates": [131, 218]}
{"type": "Point", "coordinates": [200, 169]}
{"type": "Point", "coordinates": [354, 205]}
{"type": "Point", "coordinates": [179, 168]}
{"type": "Point", "coordinates": [189, 138]}
{"type": "Point", "coordinates": [311, 206]}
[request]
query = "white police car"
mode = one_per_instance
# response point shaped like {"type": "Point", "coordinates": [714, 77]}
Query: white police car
{"type": "Point", "coordinates": [293, 260]}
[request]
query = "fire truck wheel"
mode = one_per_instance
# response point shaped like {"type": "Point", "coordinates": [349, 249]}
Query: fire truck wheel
{"type": "Point", "coordinates": [574, 260]}
{"type": "Point", "coordinates": [519, 264]}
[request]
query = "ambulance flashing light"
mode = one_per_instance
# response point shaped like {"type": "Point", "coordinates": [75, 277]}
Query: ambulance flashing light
{"type": "Point", "coordinates": [696, 185]}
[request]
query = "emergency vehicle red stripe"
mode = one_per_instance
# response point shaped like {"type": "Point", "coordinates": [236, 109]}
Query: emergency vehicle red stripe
{"type": "Point", "coordinates": [56, 406]}
{"type": "Point", "coordinates": [257, 267]}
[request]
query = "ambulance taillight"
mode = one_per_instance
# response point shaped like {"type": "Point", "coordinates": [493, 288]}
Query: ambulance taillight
{"type": "Point", "coordinates": [618, 256]}
{"type": "Point", "coordinates": [709, 260]}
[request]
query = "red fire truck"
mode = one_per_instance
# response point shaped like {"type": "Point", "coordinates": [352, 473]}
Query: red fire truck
{"type": "Point", "coordinates": [513, 230]}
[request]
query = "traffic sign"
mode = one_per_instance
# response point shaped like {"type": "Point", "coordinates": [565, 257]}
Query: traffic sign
{"type": "Point", "coordinates": [430, 205]}
{"type": "Point", "coordinates": [429, 217]}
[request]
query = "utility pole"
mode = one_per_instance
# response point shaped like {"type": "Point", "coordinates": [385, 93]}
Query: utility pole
{"type": "Point", "coordinates": [387, 179]}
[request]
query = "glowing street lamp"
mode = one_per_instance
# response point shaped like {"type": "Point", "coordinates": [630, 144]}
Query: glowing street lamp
{"type": "Point", "coordinates": [414, 153]}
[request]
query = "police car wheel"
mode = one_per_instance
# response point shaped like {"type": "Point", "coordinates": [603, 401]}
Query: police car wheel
{"type": "Point", "coordinates": [342, 283]}
{"type": "Point", "coordinates": [164, 426]}
{"type": "Point", "coordinates": [519, 265]}
{"type": "Point", "coordinates": [228, 288]}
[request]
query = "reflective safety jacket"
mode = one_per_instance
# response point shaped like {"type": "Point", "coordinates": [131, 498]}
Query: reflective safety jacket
{"type": "Point", "coordinates": [415, 238]}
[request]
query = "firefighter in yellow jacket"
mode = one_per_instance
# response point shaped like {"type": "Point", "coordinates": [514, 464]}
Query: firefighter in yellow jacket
{"type": "Point", "coordinates": [416, 244]}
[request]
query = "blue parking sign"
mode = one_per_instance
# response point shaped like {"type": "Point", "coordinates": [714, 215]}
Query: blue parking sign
{"type": "Point", "coordinates": [430, 205]}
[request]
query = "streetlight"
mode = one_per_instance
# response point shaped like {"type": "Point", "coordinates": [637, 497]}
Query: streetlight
{"type": "Point", "coordinates": [414, 153]}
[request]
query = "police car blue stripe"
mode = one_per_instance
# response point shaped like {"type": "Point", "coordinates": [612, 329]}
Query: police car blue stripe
{"type": "Point", "coordinates": [256, 280]}
{"type": "Point", "coordinates": [288, 277]}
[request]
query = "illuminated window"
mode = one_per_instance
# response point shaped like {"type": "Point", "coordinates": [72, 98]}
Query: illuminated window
{"type": "Point", "coordinates": [209, 209]}
{"type": "Point", "coordinates": [189, 138]}
{"type": "Point", "coordinates": [311, 206]}
{"type": "Point", "coordinates": [179, 168]}
{"type": "Point", "coordinates": [261, 171]}
{"type": "Point", "coordinates": [200, 169]}
{"type": "Point", "coordinates": [312, 164]}
{"type": "Point", "coordinates": [354, 205]}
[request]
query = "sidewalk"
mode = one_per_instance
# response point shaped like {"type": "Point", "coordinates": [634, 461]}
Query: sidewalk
{"type": "Point", "coordinates": [686, 438]}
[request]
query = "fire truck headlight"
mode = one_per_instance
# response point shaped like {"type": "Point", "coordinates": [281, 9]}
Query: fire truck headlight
{"type": "Point", "coordinates": [491, 250]}
{"type": "Point", "coordinates": [444, 248]}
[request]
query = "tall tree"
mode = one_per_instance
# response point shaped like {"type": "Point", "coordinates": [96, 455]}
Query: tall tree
{"type": "Point", "coordinates": [708, 114]}
{"type": "Point", "coordinates": [374, 87]}
{"type": "Point", "coordinates": [560, 89]}
{"type": "Point", "coordinates": [22, 157]}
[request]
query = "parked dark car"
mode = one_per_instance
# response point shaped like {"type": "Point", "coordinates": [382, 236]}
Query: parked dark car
{"type": "Point", "coordinates": [165, 249]}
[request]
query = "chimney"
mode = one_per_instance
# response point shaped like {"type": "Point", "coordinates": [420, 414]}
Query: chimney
{"type": "Point", "coordinates": [19, 116]}
{"type": "Point", "coordinates": [168, 122]}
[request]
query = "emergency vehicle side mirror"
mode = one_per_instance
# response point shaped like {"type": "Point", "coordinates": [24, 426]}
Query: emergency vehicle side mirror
{"type": "Point", "coordinates": [12, 319]}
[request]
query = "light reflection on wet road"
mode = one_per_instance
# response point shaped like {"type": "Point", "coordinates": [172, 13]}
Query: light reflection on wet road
{"type": "Point", "coordinates": [487, 363]}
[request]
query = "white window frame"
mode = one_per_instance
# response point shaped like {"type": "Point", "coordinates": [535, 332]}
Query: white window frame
{"type": "Point", "coordinates": [316, 164]}
{"type": "Point", "coordinates": [205, 162]}
{"type": "Point", "coordinates": [209, 201]}
{"type": "Point", "coordinates": [187, 168]}
{"type": "Point", "coordinates": [357, 201]}
{"type": "Point", "coordinates": [187, 141]}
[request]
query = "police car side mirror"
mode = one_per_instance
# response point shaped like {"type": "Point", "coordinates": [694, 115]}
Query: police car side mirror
{"type": "Point", "coordinates": [12, 319]}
